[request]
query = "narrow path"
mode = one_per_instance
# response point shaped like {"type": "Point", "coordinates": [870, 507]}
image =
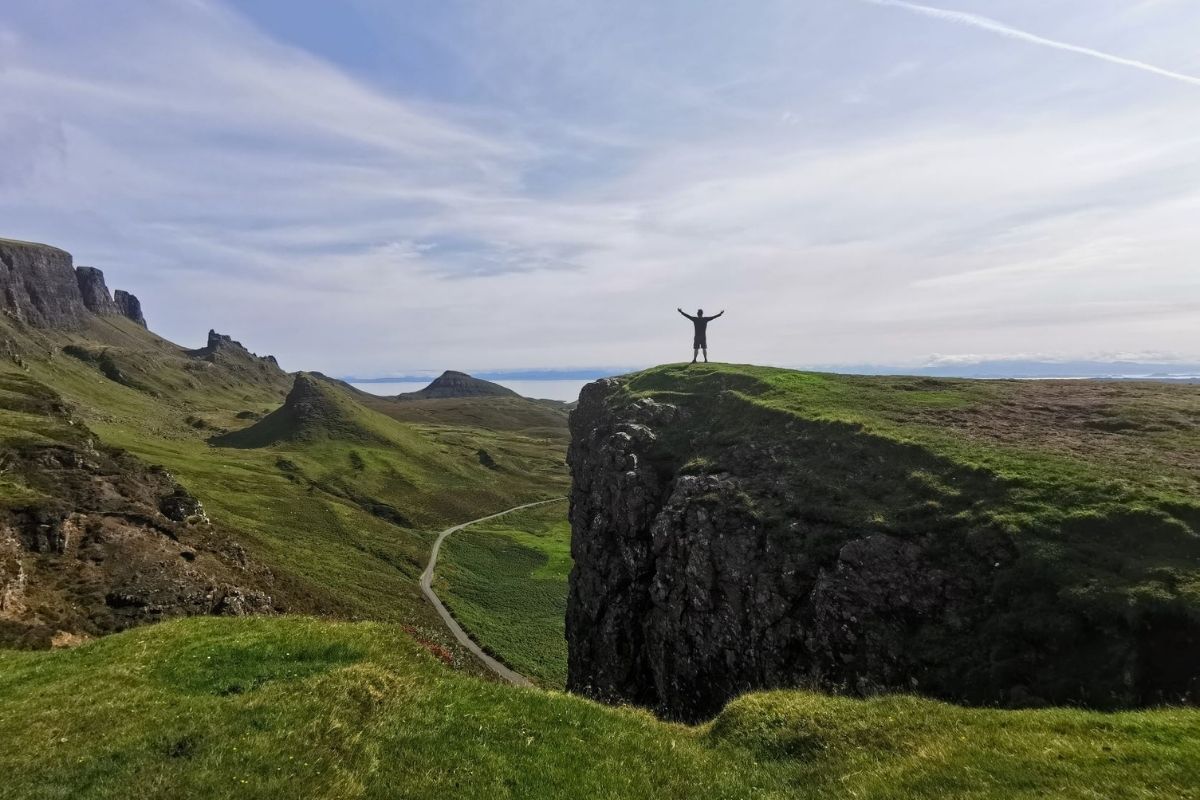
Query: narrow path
{"type": "Point", "coordinates": [466, 641]}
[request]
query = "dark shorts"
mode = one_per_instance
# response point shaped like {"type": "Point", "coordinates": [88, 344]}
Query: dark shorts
{"type": "Point", "coordinates": [700, 344]}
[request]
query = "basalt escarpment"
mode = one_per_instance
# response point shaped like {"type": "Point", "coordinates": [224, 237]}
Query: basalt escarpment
{"type": "Point", "coordinates": [129, 306]}
{"type": "Point", "coordinates": [721, 547]}
{"type": "Point", "coordinates": [39, 286]}
{"type": "Point", "coordinates": [94, 291]}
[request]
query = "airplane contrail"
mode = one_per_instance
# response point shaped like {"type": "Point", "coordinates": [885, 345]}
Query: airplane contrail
{"type": "Point", "coordinates": [988, 24]}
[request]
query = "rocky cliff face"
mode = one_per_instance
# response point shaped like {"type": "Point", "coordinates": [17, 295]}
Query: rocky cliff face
{"type": "Point", "coordinates": [721, 548]}
{"type": "Point", "coordinates": [94, 291]}
{"type": "Point", "coordinates": [38, 285]}
{"type": "Point", "coordinates": [129, 306]}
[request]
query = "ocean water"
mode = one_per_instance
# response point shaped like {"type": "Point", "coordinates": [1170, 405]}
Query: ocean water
{"type": "Point", "coordinates": [567, 390]}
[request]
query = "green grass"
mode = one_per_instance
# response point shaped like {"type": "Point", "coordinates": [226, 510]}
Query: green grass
{"type": "Point", "coordinates": [1135, 440]}
{"type": "Point", "coordinates": [505, 581]}
{"type": "Point", "coordinates": [343, 522]}
{"type": "Point", "coordinates": [291, 707]}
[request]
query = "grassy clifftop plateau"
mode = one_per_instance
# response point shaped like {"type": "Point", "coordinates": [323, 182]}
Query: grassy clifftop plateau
{"type": "Point", "coordinates": [1008, 542]}
{"type": "Point", "coordinates": [1089, 464]}
{"type": "Point", "coordinates": [1134, 440]}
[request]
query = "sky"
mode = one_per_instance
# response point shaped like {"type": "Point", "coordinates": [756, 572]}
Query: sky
{"type": "Point", "coordinates": [370, 187]}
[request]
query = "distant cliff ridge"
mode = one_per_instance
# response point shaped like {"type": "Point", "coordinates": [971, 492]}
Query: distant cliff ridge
{"type": "Point", "coordinates": [221, 347]}
{"type": "Point", "coordinates": [730, 533]}
{"type": "Point", "coordinates": [129, 306]}
{"type": "Point", "coordinates": [95, 292]}
{"type": "Point", "coordinates": [40, 286]}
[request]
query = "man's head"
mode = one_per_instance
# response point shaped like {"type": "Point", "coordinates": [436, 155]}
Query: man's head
{"type": "Point", "coordinates": [700, 312]}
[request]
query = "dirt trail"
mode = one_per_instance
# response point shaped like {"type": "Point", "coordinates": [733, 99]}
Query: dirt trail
{"type": "Point", "coordinates": [495, 666]}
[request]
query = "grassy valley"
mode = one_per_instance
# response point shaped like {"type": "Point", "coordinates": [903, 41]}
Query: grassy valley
{"type": "Point", "coordinates": [339, 501]}
{"type": "Point", "coordinates": [505, 581]}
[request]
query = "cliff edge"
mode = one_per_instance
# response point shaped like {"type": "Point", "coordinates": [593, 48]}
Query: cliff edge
{"type": "Point", "coordinates": [998, 543]}
{"type": "Point", "coordinates": [41, 287]}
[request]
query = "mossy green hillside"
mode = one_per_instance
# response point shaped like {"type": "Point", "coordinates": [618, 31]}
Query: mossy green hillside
{"type": "Point", "coordinates": [289, 707]}
{"type": "Point", "coordinates": [343, 522]}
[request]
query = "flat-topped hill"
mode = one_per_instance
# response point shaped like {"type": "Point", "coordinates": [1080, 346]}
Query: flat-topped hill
{"type": "Point", "coordinates": [1002, 542]}
{"type": "Point", "coordinates": [41, 287]}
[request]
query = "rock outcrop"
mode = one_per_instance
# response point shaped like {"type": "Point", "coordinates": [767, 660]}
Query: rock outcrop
{"type": "Point", "coordinates": [38, 285]}
{"type": "Point", "coordinates": [94, 291]}
{"type": "Point", "coordinates": [98, 541]}
{"type": "Point", "coordinates": [224, 356]}
{"type": "Point", "coordinates": [720, 547]}
{"type": "Point", "coordinates": [129, 306]}
{"type": "Point", "coordinates": [225, 349]}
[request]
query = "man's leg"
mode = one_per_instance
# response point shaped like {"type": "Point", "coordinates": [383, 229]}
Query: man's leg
{"type": "Point", "coordinates": [695, 354]}
{"type": "Point", "coordinates": [705, 355]}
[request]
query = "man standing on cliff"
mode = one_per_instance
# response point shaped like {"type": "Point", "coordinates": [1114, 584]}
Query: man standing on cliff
{"type": "Point", "coordinates": [700, 342]}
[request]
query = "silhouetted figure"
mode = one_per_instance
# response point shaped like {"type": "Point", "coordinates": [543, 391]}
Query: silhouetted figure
{"type": "Point", "coordinates": [701, 339]}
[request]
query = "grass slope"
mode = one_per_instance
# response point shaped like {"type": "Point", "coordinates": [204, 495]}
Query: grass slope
{"type": "Point", "coordinates": [344, 523]}
{"type": "Point", "coordinates": [533, 418]}
{"type": "Point", "coordinates": [505, 581]}
{"type": "Point", "coordinates": [289, 707]}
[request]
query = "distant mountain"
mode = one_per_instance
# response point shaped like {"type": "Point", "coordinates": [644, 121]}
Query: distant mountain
{"type": "Point", "coordinates": [456, 398]}
{"type": "Point", "coordinates": [452, 384]}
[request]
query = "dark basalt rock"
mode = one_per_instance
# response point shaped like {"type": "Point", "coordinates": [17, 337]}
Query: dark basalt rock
{"type": "Point", "coordinates": [38, 285]}
{"type": "Point", "coordinates": [222, 348]}
{"type": "Point", "coordinates": [94, 291]}
{"type": "Point", "coordinates": [129, 306]}
{"type": "Point", "coordinates": [708, 564]}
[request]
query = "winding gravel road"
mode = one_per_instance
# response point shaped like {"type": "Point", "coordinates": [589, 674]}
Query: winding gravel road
{"type": "Point", "coordinates": [466, 641]}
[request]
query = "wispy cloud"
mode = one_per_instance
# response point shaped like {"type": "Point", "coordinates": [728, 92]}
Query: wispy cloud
{"type": "Point", "coordinates": [557, 211]}
{"type": "Point", "coordinates": [994, 26]}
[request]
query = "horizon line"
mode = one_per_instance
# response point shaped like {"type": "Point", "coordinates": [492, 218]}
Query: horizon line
{"type": "Point", "coordinates": [1040, 367]}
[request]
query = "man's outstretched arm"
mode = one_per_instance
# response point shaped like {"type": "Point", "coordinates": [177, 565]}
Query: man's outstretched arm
{"type": "Point", "coordinates": [714, 316]}
{"type": "Point", "coordinates": [689, 316]}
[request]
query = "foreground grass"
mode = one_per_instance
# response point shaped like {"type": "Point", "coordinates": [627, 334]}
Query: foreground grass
{"type": "Point", "coordinates": [291, 707]}
{"type": "Point", "coordinates": [506, 583]}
